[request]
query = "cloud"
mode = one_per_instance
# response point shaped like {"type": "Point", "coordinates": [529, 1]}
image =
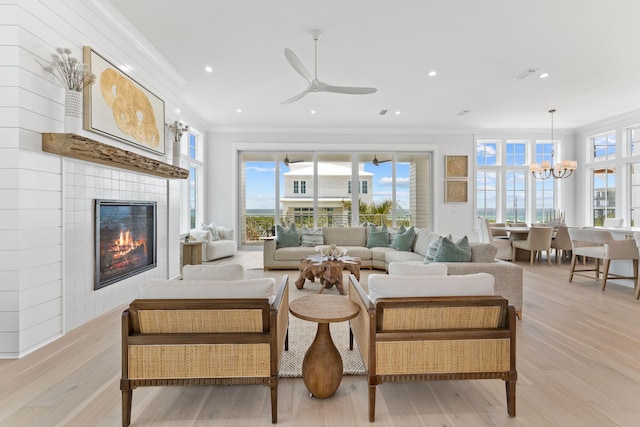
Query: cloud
{"type": "Point", "coordinates": [400, 182]}
{"type": "Point", "coordinates": [259, 169]}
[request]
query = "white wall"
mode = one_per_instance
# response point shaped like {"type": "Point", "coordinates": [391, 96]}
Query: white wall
{"type": "Point", "coordinates": [46, 215]}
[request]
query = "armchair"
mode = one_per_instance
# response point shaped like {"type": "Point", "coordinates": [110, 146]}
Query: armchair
{"type": "Point", "coordinates": [205, 340]}
{"type": "Point", "coordinates": [503, 245]}
{"type": "Point", "coordinates": [448, 337]}
{"type": "Point", "coordinates": [600, 244]}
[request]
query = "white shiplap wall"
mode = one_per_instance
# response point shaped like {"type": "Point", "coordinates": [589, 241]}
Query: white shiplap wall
{"type": "Point", "coordinates": [46, 214]}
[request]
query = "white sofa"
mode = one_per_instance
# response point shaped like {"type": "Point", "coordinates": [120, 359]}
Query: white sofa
{"type": "Point", "coordinates": [222, 246]}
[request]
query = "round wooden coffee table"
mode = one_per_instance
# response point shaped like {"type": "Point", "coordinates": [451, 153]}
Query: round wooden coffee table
{"type": "Point", "coordinates": [322, 365]}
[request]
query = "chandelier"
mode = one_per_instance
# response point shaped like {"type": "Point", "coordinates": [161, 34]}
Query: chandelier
{"type": "Point", "coordinates": [546, 169]}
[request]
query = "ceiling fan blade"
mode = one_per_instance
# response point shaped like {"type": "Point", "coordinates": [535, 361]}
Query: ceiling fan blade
{"type": "Point", "coordinates": [295, 98]}
{"type": "Point", "coordinates": [297, 65]}
{"type": "Point", "coordinates": [350, 90]}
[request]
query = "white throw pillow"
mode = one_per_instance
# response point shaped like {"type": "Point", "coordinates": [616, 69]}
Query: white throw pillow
{"type": "Point", "coordinates": [385, 286]}
{"type": "Point", "coordinates": [201, 235]}
{"type": "Point", "coordinates": [417, 268]}
{"type": "Point", "coordinates": [213, 228]}
{"type": "Point", "coordinates": [312, 237]}
{"type": "Point", "coordinates": [205, 289]}
{"type": "Point", "coordinates": [213, 272]}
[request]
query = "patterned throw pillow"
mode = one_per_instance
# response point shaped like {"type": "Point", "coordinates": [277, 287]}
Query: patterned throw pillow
{"type": "Point", "coordinates": [403, 241]}
{"type": "Point", "coordinates": [312, 237]}
{"type": "Point", "coordinates": [287, 238]}
{"type": "Point", "coordinates": [450, 251]}
{"type": "Point", "coordinates": [432, 250]}
{"type": "Point", "coordinates": [378, 239]}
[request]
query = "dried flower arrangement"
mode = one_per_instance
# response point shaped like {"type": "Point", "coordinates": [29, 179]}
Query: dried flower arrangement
{"type": "Point", "coordinates": [71, 73]}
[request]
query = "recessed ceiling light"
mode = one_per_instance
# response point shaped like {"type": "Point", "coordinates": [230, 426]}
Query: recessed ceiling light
{"type": "Point", "coordinates": [397, 113]}
{"type": "Point", "coordinates": [544, 75]}
{"type": "Point", "coordinates": [313, 111]}
{"type": "Point", "coordinates": [526, 73]}
{"type": "Point", "coordinates": [208, 69]}
{"type": "Point", "coordinates": [464, 112]}
{"type": "Point", "coordinates": [433, 73]}
{"type": "Point", "coordinates": [238, 110]}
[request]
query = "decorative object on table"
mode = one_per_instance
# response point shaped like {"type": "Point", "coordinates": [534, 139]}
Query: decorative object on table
{"type": "Point", "coordinates": [73, 76]}
{"type": "Point", "coordinates": [546, 169]}
{"type": "Point", "coordinates": [455, 191]}
{"type": "Point", "coordinates": [554, 218]}
{"type": "Point", "coordinates": [175, 131]}
{"type": "Point", "coordinates": [121, 108]}
{"type": "Point", "coordinates": [456, 166]}
{"type": "Point", "coordinates": [332, 251]}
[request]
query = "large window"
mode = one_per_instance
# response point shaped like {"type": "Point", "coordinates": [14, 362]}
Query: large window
{"type": "Point", "coordinates": [603, 172]}
{"type": "Point", "coordinates": [315, 189]}
{"type": "Point", "coordinates": [634, 169]}
{"type": "Point", "coordinates": [192, 159]}
{"type": "Point", "coordinates": [505, 190]}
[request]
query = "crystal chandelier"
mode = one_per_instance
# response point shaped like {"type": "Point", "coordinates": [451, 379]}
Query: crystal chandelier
{"type": "Point", "coordinates": [546, 169]}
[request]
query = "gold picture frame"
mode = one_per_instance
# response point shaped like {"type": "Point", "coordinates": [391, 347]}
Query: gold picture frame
{"type": "Point", "coordinates": [456, 191]}
{"type": "Point", "coordinates": [456, 166]}
{"type": "Point", "coordinates": [119, 107]}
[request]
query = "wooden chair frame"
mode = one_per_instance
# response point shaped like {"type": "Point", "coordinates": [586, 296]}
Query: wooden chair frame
{"type": "Point", "coordinates": [194, 333]}
{"type": "Point", "coordinates": [494, 328]}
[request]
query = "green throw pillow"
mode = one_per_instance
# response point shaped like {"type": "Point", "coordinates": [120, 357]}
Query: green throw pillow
{"type": "Point", "coordinates": [287, 238]}
{"type": "Point", "coordinates": [432, 250]}
{"type": "Point", "coordinates": [449, 251]}
{"type": "Point", "coordinates": [377, 239]}
{"type": "Point", "coordinates": [403, 241]}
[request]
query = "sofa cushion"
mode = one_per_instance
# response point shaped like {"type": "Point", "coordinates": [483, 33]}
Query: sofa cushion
{"type": "Point", "coordinates": [345, 236]}
{"type": "Point", "coordinates": [225, 233]}
{"type": "Point", "coordinates": [432, 250]}
{"type": "Point", "coordinates": [379, 253]}
{"type": "Point", "coordinates": [358, 251]}
{"type": "Point", "coordinates": [417, 269]}
{"type": "Point", "coordinates": [401, 256]}
{"type": "Point", "coordinates": [422, 240]}
{"type": "Point", "coordinates": [213, 229]}
{"type": "Point", "coordinates": [312, 237]}
{"type": "Point", "coordinates": [378, 238]}
{"type": "Point", "coordinates": [482, 252]}
{"type": "Point", "coordinates": [195, 289]}
{"type": "Point", "coordinates": [450, 251]}
{"type": "Point", "coordinates": [286, 238]}
{"type": "Point", "coordinates": [386, 286]}
{"type": "Point", "coordinates": [403, 241]}
{"type": "Point", "coordinates": [213, 272]}
{"type": "Point", "coordinates": [293, 253]}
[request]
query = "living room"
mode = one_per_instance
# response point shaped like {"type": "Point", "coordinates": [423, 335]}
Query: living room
{"type": "Point", "coordinates": [48, 242]}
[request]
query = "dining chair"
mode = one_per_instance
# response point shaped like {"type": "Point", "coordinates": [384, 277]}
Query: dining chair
{"type": "Point", "coordinates": [503, 245]}
{"type": "Point", "coordinates": [600, 245]}
{"type": "Point", "coordinates": [561, 243]}
{"type": "Point", "coordinates": [538, 240]}
{"type": "Point", "coordinates": [498, 234]}
{"type": "Point", "coordinates": [517, 224]}
{"type": "Point", "coordinates": [539, 224]}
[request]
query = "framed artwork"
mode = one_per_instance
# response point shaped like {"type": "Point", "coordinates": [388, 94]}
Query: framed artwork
{"type": "Point", "coordinates": [455, 191]}
{"type": "Point", "coordinates": [120, 108]}
{"type": "Point", "coordinates": [456, 166]}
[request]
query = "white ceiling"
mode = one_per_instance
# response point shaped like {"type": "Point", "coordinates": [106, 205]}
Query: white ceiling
{"type": "Point", "coordinates": [589, 47]}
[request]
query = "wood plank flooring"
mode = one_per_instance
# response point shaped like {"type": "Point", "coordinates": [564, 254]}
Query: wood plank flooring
{"type": "Point", "coordinates": [578, 365]}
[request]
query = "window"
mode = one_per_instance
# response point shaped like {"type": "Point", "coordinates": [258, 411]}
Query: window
{"type": "Point", "coordinates": [487, 153]}
{"type": "Point", "coordinates": [486, 196]}
{"type": "Point", "coordinates": [635, 194]}
{"type": "Point", "coordinates": [349, 186]}
{"type": "Point", "coordinates": [303, 187]}
{"type": "Point", "coordinates": [296, 187]}
{"type": "Point", "coordinates": [545, 190]}
{"type": "Point", "coordinates": [604, 195]}
{"type": "Point", "coordinates": [515, 153]}
{"type": "Point", "coordinates": [516, 196]}
{"type": "Point", "coordinates": [364, 187]}
{"type": "Point", "coordinates": [634, 141]}
{"type": "Point", "coordinates": [193, 194]}
{"type": "Point", "coordinates": [604, 146]}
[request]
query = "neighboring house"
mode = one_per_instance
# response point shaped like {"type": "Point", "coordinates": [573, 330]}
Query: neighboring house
{"type": "Point", "coordinates": [334, 187]}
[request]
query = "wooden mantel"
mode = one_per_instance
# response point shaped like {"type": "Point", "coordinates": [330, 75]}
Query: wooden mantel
{"type": "Point", "coordinates": [80, 147]}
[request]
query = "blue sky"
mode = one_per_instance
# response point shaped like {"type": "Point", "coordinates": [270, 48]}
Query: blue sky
{"type": "Point", "coordinates": [260, 189]}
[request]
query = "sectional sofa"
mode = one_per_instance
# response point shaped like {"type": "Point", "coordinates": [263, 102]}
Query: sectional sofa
{"type": "Point", "coordinates": [508, 276]}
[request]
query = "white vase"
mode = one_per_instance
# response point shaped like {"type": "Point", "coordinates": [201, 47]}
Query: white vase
{"type": "Point", "coordinates": [176, 153]}
{"type": "Point", "coordinates": [72, 111]}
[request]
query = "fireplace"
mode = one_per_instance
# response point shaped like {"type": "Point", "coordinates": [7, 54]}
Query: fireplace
{"type": "Point", "coordinates": [125, 240]}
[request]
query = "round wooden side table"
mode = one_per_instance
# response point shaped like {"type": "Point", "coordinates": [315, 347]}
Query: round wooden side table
{"type": "Point", "coordinates": [322, 364]}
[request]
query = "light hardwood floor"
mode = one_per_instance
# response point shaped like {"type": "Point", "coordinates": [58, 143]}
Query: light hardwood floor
{"type": "Point", "coordinates": [578, 364]}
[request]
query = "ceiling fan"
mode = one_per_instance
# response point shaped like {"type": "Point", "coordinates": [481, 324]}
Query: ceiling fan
{"type": "Point", "coordinates": [377, 162]}
{"type": "Point", "coordinates": [287, 161]}
{"type": "Point", "coordinates": [316, 85]}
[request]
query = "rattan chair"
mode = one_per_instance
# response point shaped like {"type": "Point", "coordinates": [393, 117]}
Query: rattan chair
{"type": "Point", "coordinates": [435, 338]}
{"type": "Point", "coordinates": [538, 240]}
{"type": "Point", "coordinates": [600, 245]}
{"type": "Point", "coordinates": [205, 341]}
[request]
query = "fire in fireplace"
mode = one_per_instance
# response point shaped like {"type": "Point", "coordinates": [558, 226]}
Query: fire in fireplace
{"type": "Point", "coordinates": [125, 240]}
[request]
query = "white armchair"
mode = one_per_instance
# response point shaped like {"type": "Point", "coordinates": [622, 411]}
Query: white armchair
{"type": "Point", "coordinates": [503, 245]}
{"type": "Point", "coordinates": [600, 244]}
